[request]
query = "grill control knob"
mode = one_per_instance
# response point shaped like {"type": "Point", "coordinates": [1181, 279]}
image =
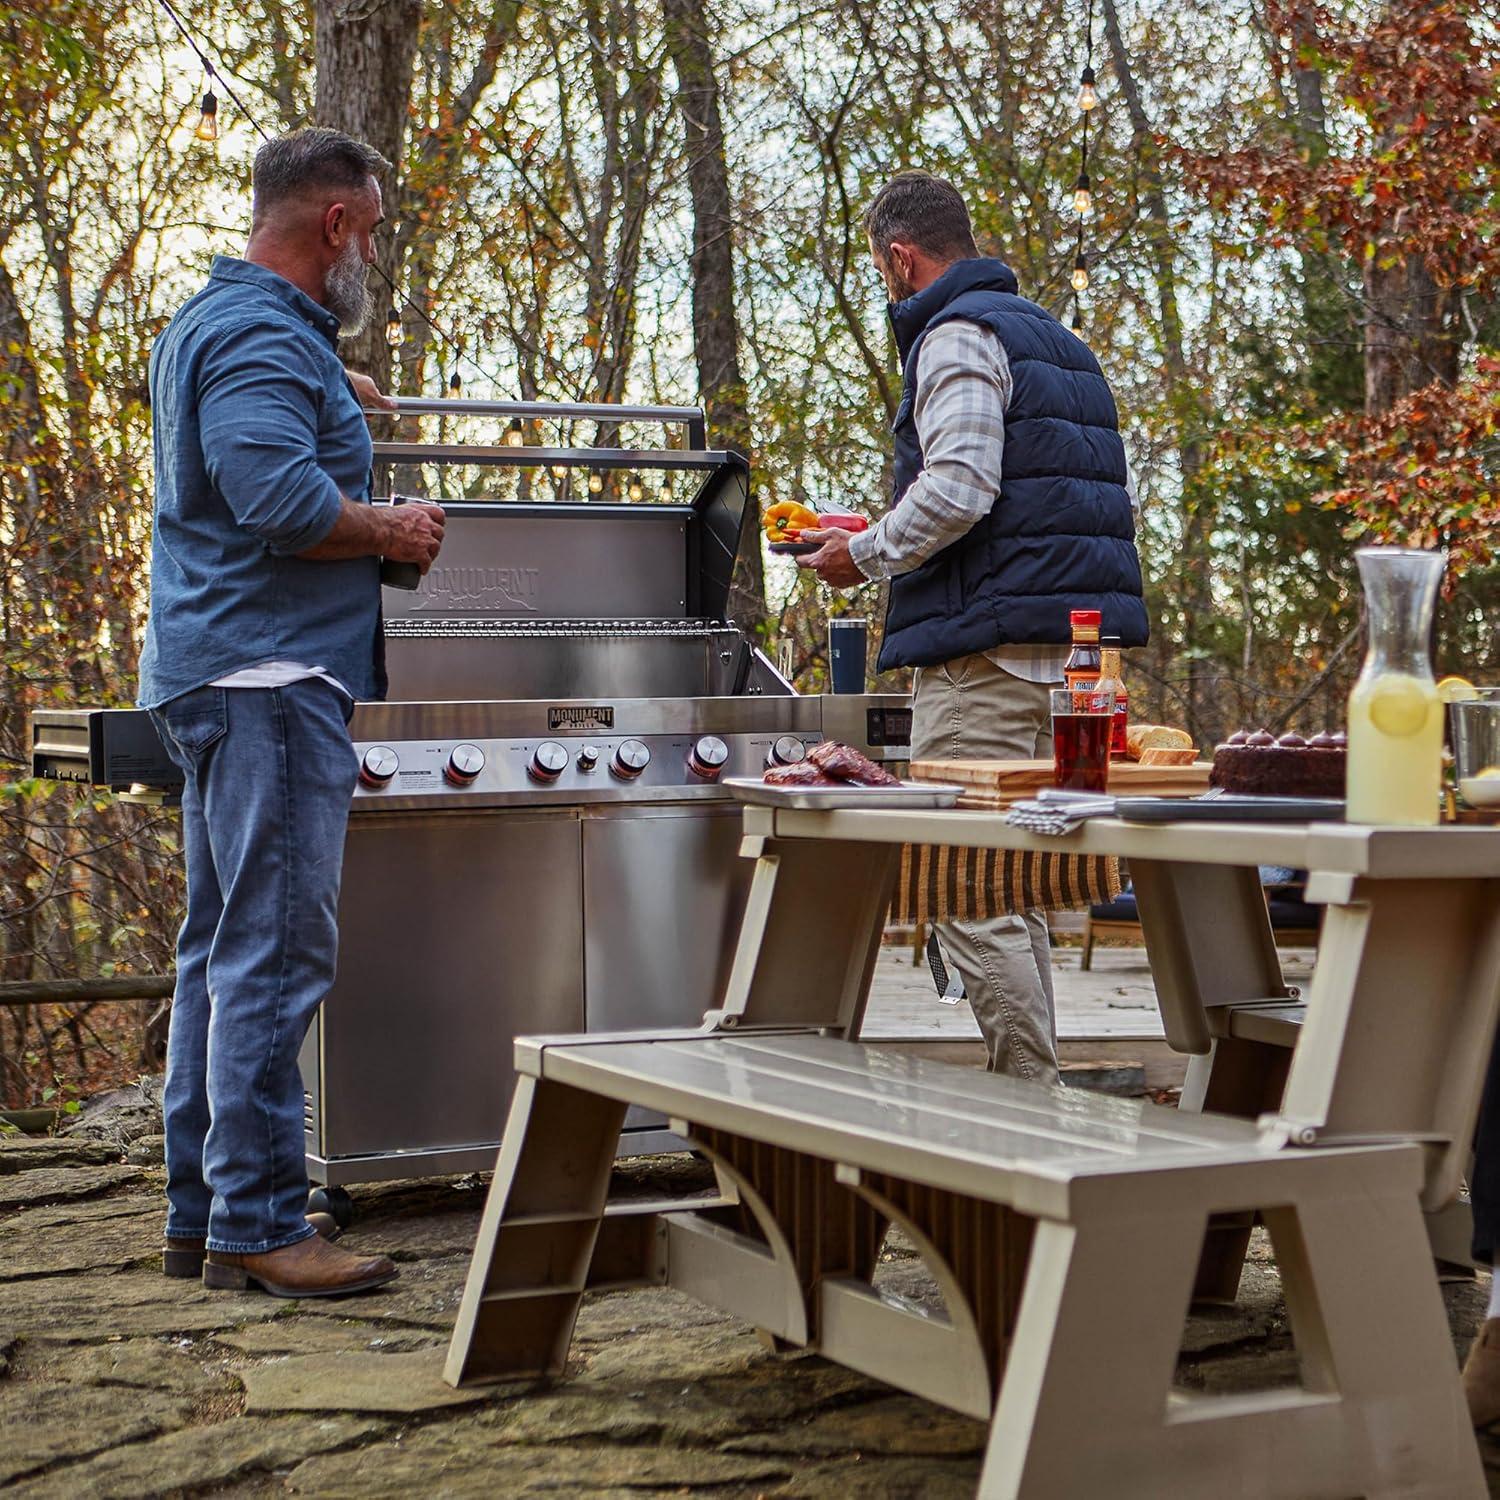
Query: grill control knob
{"type": "Point", "coordinates": [548, 761]}
{"type": "Point", "coordinates": [707, 757]}
{"type": "Point", "coordinates": [787, 751]}
{"type": "Point", "coordinates": [588, 757]}
{"type": "Point", "coordinates": [377, 766]}
{"type": "Point", "coordinates": [464, 764]}
{"type": "Point", "coordinates": [630, 759]}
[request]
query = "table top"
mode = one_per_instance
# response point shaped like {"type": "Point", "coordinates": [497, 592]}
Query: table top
{"type": "Point", "coordinates": [1378, 853]}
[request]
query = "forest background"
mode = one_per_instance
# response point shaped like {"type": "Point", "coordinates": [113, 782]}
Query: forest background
{"type": "Point", "coordinates": [1291, 265]}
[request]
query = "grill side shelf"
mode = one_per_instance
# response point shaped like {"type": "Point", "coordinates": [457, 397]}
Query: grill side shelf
{"type": "Point", "coordinates": [113, 747]}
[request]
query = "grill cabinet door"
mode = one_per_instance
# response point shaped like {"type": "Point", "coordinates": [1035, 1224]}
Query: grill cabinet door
{"type": "Point", "coordinates": [457, 933]}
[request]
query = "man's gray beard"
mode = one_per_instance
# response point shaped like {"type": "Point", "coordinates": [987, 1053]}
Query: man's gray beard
{"type": "Point", "coordinates": [345, 294]}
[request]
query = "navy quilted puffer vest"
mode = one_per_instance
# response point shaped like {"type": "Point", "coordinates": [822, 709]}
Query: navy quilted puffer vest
{"type": "Point", "coordinates": [1061, 534]}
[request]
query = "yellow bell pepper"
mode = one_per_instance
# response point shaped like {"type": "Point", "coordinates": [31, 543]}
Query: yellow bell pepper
{"type": "Point", "coordinates": [786, 520]}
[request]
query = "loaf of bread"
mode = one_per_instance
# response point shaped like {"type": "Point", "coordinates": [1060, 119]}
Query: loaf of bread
{"type": "Point", "coordinates": [1142, 737]}
{"type": "Point", "coordinates": [1161, 756]}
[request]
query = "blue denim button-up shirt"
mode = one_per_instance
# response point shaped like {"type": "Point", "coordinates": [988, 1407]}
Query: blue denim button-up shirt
{"type": "Point", "coordinates": [257, 433]}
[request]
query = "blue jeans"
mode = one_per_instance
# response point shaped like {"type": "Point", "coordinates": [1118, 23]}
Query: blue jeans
{"type": "Point", "coordinates": [269, 776]}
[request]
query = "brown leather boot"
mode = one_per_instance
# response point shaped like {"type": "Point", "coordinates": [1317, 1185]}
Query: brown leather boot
{"type": "Point", "coordinates": [184, 1258]}
{"type": "Point", "coordinates": [310, 1268]}
{"type": "Point", "coordinates": [1482, 1375]}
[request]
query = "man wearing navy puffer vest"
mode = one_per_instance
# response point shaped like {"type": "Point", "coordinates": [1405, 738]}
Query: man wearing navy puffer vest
{"type": "Point", "coordinates": [1011, 509]}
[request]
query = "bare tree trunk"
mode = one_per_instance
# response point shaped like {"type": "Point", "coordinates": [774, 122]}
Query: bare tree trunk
{"type": "Point", "coordinates": [365, 52]}
{"type": "Point", "coordinates": [716, 334]}
{"type": "Point", "coordinates": [1413, 334]}
{"type": "Point", "coordinates": [1183, 394]}
{"type": "Point", "coordinates": [1312, 117]}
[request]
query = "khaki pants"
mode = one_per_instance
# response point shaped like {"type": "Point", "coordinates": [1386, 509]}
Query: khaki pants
{"type": "Point", "coordinates": [970, 709]}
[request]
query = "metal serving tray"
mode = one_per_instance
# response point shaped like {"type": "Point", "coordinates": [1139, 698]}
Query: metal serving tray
{"type": "Point", "coordinates": [910, 794]}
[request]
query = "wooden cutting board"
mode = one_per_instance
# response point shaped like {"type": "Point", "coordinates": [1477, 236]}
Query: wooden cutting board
{"type": "Point", "coordinates": [998, 783]}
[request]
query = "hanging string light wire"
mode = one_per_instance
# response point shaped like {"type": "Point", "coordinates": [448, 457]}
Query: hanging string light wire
{"type": "Point", "coordinates": [1088, 93]}
{"type": "Point", "coordinates": [1083, 197]}
{"type": "Point", "coordinates": [213, 73]}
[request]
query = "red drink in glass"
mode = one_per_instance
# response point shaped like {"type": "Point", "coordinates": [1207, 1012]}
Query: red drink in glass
{"type": "Point", "coordinates": [1082, 723]}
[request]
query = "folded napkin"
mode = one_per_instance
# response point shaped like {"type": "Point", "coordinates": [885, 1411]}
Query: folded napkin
{"type": "Point", "coordinates": [1053, 812]}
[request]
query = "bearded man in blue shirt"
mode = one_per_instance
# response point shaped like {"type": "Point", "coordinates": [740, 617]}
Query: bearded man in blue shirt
{"type": "Point", "coordinates": [264, 629]}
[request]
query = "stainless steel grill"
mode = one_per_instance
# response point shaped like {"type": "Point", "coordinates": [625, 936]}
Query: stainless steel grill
{"type": "Point", "coordinates": [539, 842]}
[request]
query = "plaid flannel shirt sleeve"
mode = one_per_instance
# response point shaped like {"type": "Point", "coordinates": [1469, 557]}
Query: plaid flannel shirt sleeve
{"type": "Point", "coordinates": [963, 389]}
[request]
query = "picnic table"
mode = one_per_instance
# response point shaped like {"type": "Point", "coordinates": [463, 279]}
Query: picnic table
{"type": "Point", "coordinates": [1068, 1233]}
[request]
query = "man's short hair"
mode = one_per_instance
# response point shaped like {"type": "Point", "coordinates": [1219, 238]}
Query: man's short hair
{"type": "Point", "coordinates": [922, 210]}
{"type": "Point", "coordinates": [314, 158]}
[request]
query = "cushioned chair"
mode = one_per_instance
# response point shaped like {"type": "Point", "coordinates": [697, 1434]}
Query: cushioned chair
{"type": "Point", "coordinates": [1294, 922]}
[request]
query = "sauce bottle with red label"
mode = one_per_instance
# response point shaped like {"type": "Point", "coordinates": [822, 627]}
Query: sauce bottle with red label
{"type": "Point", "coordinates": [1082, 668]}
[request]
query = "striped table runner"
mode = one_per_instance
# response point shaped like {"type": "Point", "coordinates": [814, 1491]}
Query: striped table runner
{"type": "Point", "coordinates": [940, 882]}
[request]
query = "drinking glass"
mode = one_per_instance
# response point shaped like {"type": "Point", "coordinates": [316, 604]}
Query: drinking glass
{"type": "Point", "coordinates": [1082, 720]}
{"type": "Point", "coordinates": [1476, 748]}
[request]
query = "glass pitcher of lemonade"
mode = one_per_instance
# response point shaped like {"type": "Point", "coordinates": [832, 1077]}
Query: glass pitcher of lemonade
{"type": "Point", "coordinates": [1395, 716]}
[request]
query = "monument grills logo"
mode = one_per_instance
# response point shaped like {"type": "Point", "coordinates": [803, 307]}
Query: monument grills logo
{"type": "Point", "coordinates": [578, 716]}
{"type": "Point", "coordinates": [478, 591]}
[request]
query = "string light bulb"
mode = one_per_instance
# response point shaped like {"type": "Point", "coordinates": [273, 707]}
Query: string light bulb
{"type": "Point", "coordinates": [1080, 272]}
{"type": "Point", "coordinates": [635, 491]}
{"type": "Point", "coordinates": [514, 437]}
{"type": "Point", "coordinates": [596, 483]}
{"type": "Point", "coordinates": [455, 385]}
{"type": "Point", "coordinates": [1083, 199]}
{"type": "Point", "coordinates": [1088, 93]}
{"type": "Point", "coordinates": [208, 119]}
{"type": "Point", "coordinates": [1078, 321]}
{"type": "Point", "coordinates": [395, 335]}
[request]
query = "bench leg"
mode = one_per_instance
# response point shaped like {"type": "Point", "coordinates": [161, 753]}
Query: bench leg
{"type": "Point", "coordinates": [537, 1238]}
{"type": "Point", "coordinates": [1237, 1078]}
{"type": "Point", "coordinates": [1087, 1407]}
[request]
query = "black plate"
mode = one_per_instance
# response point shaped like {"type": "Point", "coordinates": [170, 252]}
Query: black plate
{"type": "Point", "coordinates": [1220, 809]}
{"type": "Point", "coordinates": [794, 549]}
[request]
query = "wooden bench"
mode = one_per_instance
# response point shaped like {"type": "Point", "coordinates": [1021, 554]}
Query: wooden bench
{"type": "Point", "coordinates": [1401, 1006]}
{"type": "Point", "coordinates": [1064, 1231]}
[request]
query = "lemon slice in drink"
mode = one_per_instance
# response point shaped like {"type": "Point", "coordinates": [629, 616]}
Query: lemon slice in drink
{"type": "Point", "coordinates": [1456, 690]}
{"type": "Point", "coordinates": [1398, 707]}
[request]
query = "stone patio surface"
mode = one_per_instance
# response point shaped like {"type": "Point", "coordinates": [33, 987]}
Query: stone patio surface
{"type": "Point", "coordinates": [115, 1381]}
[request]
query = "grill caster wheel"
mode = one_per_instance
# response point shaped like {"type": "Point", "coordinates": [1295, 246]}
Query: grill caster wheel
{"type": "Point", "coordinates": [332, 1200]}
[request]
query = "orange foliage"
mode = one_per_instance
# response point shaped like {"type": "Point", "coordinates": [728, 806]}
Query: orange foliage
{"type": "Point", "coordinates": [1420, 171]}
{"type": "Point", "coordinates": [1415, 178]}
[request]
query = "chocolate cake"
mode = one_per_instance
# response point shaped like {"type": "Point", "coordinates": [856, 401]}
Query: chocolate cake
{"type": "Point", "coordinates": [1260, 765]}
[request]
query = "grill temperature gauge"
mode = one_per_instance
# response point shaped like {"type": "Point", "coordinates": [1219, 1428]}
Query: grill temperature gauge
{"type": "Point", "coordinates": [377, 766]}
{"type": "Point", "coordinates": [707, 757]}
{"type": "Point", "coordinates": [548, 761]}
{"type": "Point", "coordinates": [787, 751]}
{"type": "Point", "coordinates": [630, 759]}
{"type": "Point", "coordinates": [464, 764]}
